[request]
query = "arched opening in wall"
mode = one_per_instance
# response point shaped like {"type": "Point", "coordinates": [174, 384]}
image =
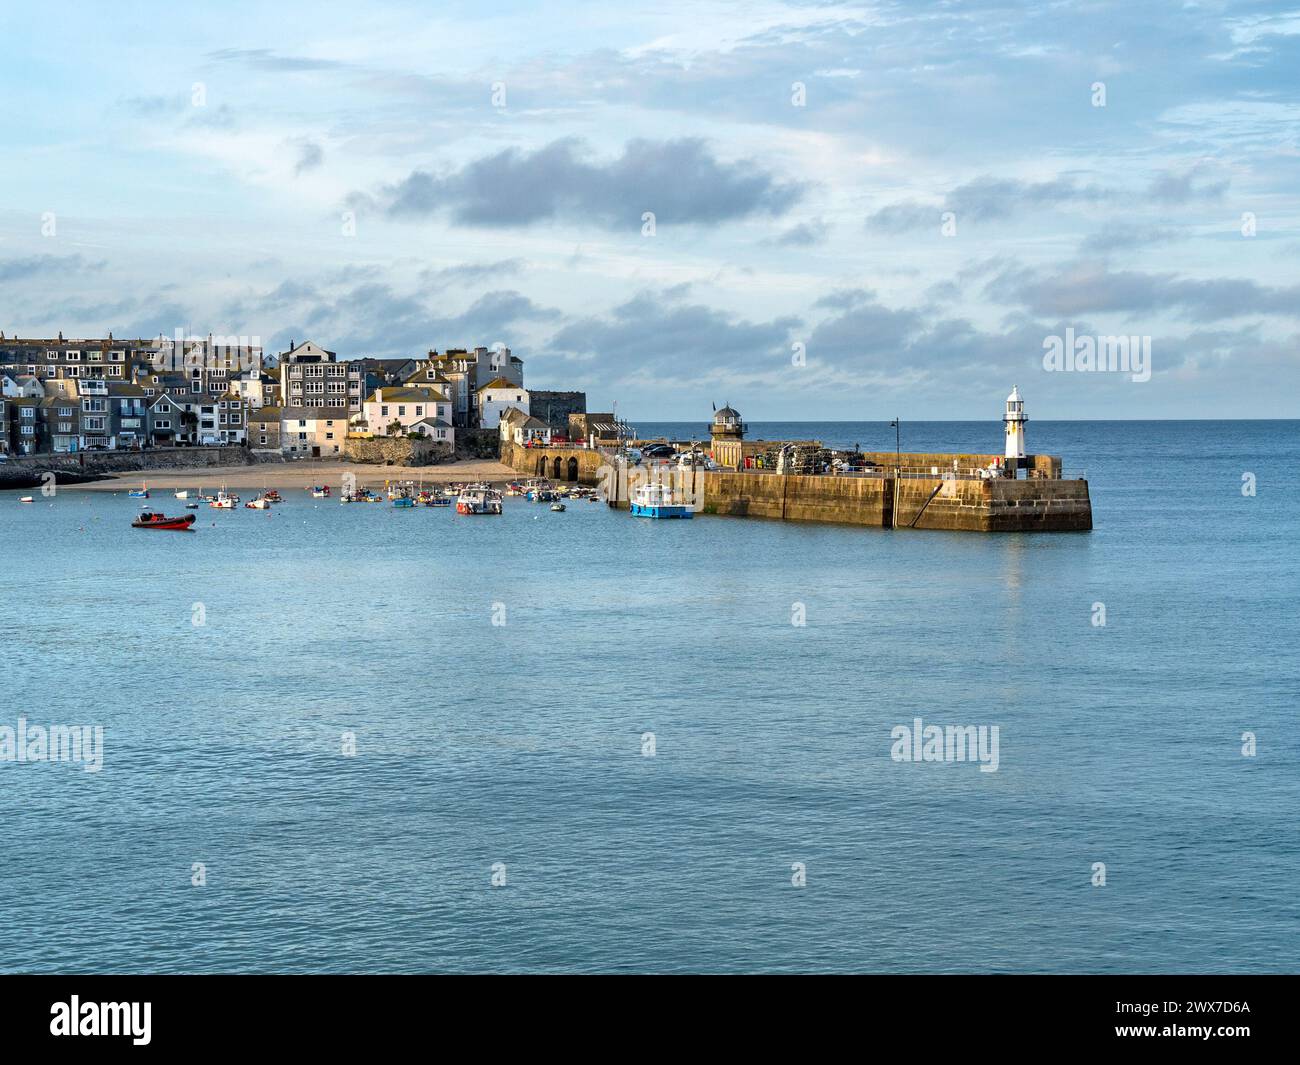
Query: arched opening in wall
{"type": "Point", "coordinates": [557, 474]}
{"type": "Point", "coordinates": [573, 469]}
{"type": "Point", "coordinates": [541, 466]}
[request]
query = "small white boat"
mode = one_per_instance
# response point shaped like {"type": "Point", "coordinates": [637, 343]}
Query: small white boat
{"type": "Point", "coordinates": [27, 499]}
{"type": "Point", "coordinates": [257, 504]}
{"type": "Point", "coordinates": [183, 494]}
{"type": "Point", "coordinates": [557, 507]}
{"type": "Point", "coordinates": [658, 501]}
{"type": "Point", "coordinates": [224, 501]}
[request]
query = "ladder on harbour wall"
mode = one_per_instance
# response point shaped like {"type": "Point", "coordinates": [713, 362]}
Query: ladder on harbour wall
{"type": "Point", "coordinates": [929, 499]}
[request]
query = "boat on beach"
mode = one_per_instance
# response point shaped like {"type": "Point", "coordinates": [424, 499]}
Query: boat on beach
{"type": "Point", "coordinates": [148, 520]}
{"type": "Point", "coordinates": [658, 501]}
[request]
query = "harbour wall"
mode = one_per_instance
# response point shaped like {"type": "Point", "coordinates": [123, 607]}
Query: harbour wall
{"type": "Point", "coordinates": [27, 471]}
{"type": "Point", "coordinates": [966, 505]}
{"type": "Point", "coordinates": [1040, 502]}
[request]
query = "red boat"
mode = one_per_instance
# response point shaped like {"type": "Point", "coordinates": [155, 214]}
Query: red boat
{"type": "Point", "coordinates": [161, 521]}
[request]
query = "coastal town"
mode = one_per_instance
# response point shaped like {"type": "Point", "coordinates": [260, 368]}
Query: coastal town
{"type": "Point", "coordinates": [76, 407]}
{"type": "Point", "coordinates": [64, 396]}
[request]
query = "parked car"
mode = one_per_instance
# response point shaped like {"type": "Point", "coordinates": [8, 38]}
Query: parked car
{"type": "Point", "coordinates": [659, 451]}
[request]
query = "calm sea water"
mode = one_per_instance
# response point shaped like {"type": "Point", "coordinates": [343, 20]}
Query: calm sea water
{"type": "Point", "coordinates": [522, 743]}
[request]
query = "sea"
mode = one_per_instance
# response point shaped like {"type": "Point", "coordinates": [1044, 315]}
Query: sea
{"type": "Point", "coordinates": [367, 739]}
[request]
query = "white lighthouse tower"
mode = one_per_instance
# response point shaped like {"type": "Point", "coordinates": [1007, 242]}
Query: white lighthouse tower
{"type": "Point", "coordinates": [1014, 422]}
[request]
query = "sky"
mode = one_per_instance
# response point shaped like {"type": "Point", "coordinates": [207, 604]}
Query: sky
{"type": "Point", "coordinates": [808, 211]}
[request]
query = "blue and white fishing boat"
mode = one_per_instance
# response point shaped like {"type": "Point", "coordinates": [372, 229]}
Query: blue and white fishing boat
{"type": "Point", "coordinates": [139, 493]}
{"type": "Point", "coordinates": [658, 501]}
{"type": "Point", "coordinates": [403, 501]}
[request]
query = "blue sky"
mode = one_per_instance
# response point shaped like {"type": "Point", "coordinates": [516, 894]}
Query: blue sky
{"type": "Point", "coordinates": [497, 161]}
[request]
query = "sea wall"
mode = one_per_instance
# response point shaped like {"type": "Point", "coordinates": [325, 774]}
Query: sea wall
{"type": "Point", "coordinates": [993, 505]}
{"type": "Point", "coordinates": [27, 471]}
{"type": "Point", "coordinates": [395, 451]}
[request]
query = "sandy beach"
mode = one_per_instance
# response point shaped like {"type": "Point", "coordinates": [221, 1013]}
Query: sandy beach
{"type": "Point", "coordinates": [299, 475]}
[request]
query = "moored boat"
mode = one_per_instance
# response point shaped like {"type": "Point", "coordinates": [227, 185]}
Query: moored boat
{"type": "Point", "coordinates": [139, 493]}
{"type": "Point", "coordinates": [223, 501]}
{"type": "Point", "coordinates": [257, 504]}
{"type": "Point", "coordinates": [658, 501]}
{"type": "Point", "coordinates": [148, 520]}
{"type": "Point", "coordinates": [478, 501]}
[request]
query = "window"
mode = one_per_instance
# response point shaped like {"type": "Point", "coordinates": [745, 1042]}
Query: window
{"type": "Point", "coordinates": [29, 430]}
{"type": "Point", "coordinates": [419, 411]}
{"type": "Point", "coordinates": [383, 411]}
{"type": "Point", "coordinates": [401, 411]}
{"type": "Point", "coordinates": [65, 412]}
{"type": "Point", "coordinates": [329, 436]}
{"type": "Point", "coordinates": [74, 356]}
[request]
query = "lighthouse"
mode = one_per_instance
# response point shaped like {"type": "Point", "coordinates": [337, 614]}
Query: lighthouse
{"type": "Point", "coordinates": [1014, 422]}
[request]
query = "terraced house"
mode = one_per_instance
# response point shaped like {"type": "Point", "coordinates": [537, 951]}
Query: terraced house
{"type": "Point", "coordinates": [58, 358]}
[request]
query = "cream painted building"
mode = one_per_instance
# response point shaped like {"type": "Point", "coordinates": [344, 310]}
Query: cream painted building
{"type": "Point", "coordinates": [409, 406]}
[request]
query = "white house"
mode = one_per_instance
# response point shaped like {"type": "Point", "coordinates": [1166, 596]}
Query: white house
{"type": "Point", "coordinates": [14, 386]}
{"type": "Point", "coordinates": [495, 397]}
{"type": "Point", "coordinates": [526, 430]}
